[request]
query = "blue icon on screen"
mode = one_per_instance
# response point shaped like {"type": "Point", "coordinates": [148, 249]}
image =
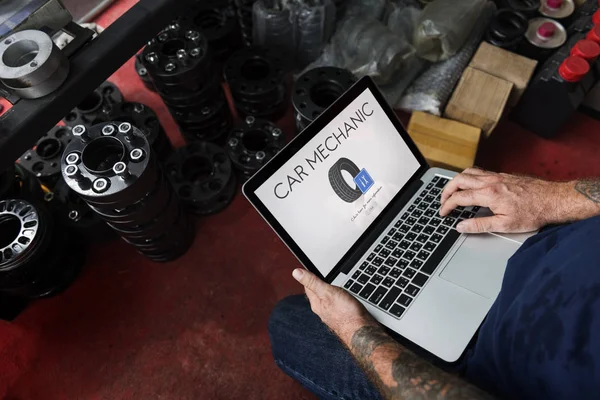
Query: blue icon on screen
{"type": "Point", "coordinates": [363, 181]}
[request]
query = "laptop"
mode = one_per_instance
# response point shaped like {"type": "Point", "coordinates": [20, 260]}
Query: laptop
{"type": "Point", "coordinates": [355, 201]}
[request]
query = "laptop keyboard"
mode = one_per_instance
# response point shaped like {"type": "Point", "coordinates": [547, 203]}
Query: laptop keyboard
{"type": "Point", "coordinates": [400, 265]}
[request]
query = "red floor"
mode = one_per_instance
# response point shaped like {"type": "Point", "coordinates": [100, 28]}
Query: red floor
{"type": "Point", "coordinates": [196, 328]}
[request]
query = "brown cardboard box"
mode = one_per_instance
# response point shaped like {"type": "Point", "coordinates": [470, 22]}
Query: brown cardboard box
{"type": "Point", "coordinates": [443, 142]}
{"type": "Point", "coordinates": [479, 100]}
{"type": "Point", "coordinates": [505, 65]}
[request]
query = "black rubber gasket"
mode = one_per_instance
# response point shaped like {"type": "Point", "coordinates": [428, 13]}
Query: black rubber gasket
{"type": "Point", "coordinates": [315, 90]}
{"type": "Point", "coordinates": [338, 183]}
{"type": "Point", "coordinates": [507, 29]}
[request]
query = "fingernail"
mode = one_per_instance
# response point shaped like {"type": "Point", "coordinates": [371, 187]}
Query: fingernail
{"type": "Point", "coordinates": [461, 227]}
{"type": "Point", "coordinates": [298, 274]}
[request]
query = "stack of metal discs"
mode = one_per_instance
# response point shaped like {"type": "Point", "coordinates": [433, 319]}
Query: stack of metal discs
{"type": "Point", "coordinates": [36, 260]}
{"type": "Point", "coordinates": [142, 72]}
{"type": "Point", "coordinates": [244, 13]}
{"type": "Point", "coordinates": [274, 27]}
{"type": "Point", "coordinates": [217, 21]}
{"type": "Point", "coordinates": [203, 177]}
{"type": "Point", "coordinates": [257, 79]}
{"type": "Point", "coordinates": [252, 144]}
{"type": "Point", "coordinates": [95, 107]}
{"type": "Point", "coordinates": [43, 160]}
{"type": "Point", "coordinates": [181, 67]}
{"type": "Point", "coordinates": [112, 167]}
{"type": "Point", "coordinates": [316, 90]}
{"type": "Point", "coordinates": [316, 24]}
{"type": "Point", "coordinates": [143, 118]}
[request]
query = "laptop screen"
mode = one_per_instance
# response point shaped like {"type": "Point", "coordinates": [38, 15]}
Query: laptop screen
{"type": "Point", "coordinates": [329, 193]}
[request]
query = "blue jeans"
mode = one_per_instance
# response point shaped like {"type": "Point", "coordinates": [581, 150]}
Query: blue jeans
{"type": "Point", "coordinates": [305, 349]}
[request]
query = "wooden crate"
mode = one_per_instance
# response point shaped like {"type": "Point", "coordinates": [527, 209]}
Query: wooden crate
{"type": "Point", "coordinates": [443, 142]}
{"type": "Point", "coordinates": [505, 65]}
{"type": "Point", "coordinates": [479, 100]}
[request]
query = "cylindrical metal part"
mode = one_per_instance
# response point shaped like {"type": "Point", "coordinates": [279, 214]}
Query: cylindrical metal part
{"type": "Point", "coordinates": [31, 65]}
{"type": "Point", "coordinates": [95, 107]}
{"type": "Point", "coordinates": [119, 178]}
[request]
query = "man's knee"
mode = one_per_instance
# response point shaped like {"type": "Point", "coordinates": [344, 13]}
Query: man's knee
{"type": "Point", "coordinates": [287, 314]}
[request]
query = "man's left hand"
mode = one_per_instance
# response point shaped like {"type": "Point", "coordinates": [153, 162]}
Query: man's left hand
{"type": "Point", "coordinates": [341, 312]}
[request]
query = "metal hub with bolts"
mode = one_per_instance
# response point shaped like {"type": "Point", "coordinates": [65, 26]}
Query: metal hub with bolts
{"type": "Point", "coordinates": [252, 144]}
{"type": "Point", "coordinates": [146, 120]}
{"type": "Point", "coordinates": [119, 178]}
{"type": "Point", "coordinates": [43, 160]}
{"type": "Point", "coordinates": [95, 108]}
{"type": "Point", "coordinates": [203, 177]}
{"type": "Point", "coordinates": [315, 90]}
{"type": "Point", "coordinates": [257, 79]}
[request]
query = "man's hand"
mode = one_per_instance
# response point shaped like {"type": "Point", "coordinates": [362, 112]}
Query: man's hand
{"type": "Point", "coordinates": [341, 312]}
{"type": "Point", "coordinates": [520, 204]}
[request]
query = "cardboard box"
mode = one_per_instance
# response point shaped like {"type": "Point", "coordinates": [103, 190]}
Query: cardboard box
{"type": "Point", "coordinates": [479, 100]}
{"type": "Point", "coordinates": [443, 142]}
{"type": "Point", "coordinates": [505, 65]}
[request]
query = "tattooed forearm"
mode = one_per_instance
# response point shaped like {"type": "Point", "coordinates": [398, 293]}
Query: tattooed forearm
{"type": "Point", "coordinates": [400, 374]}
{"type": "Point", "coordinates": [590, 189]}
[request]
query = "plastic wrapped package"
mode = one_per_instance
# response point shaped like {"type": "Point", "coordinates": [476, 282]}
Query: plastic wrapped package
{"type": "Point", "coordinates": [402, 20]}
{"type": "Point", "coordinates": [274, 25]}
{"type": "Point", "coordinates": [444, 26]}
{"type": "Point", "coordinates": [431, 91]}
{"type": "Point", "coordinates": [315, 20]}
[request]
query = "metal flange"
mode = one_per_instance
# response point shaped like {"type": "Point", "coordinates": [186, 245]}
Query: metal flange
{"type": "Point", "coordinates": [96, 107]}
{"type": "Point", "coordinates": [203, 177]}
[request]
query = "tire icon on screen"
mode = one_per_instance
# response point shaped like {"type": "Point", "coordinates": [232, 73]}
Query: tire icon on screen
{"type": "Point", "coordinates": [344, 191]}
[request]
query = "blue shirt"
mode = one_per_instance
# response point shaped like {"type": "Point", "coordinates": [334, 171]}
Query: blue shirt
{"type": "Point", "coordinates": [541, 339]}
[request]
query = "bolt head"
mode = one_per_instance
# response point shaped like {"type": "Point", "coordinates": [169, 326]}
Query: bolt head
{"type": "Point", "coordinates": [136, 155]}
{"type": "Point", "coordinates": [74, 215]}
{"type": "Point", "coordinates": [138, 108]}
{"type": "Point", "coordinates": [205, 111]}
{"type": "Point", "coordinates": [181, 53]}
{"type": "Point", "coordinates": [72, 158]}
{"type": "Point", "coordinates": [260, 155]}
{"type": "Point", "coordinates": [277, 132]}
{"type": "Point", "coordinates": [163, 37]}
{"type": "Point", "coordinates": [142, 72]}
{"type": "Point", "coordinates": [195, 52]}
{"type": "Point", "coordinates": [174, 27]}
{"type": "Point", "coordinates": [192, 35]}
{"type": "Point", "coordinates": [120, 169]}
{"type": "Point", "coordinates": [79, 130]}
{"type": "Point", "coordinates": [100, 185]}
{"type": "Point", "coordinates": [124, 127]}
{"type": "Point", "coordinates": [152, 58]}
{"type": "Point", "coordinates": [108, 130]}
{"type": "Point", "coordinates": [71, 171]}
{"type": "Point", "coordinates": [233, 142]}
{"type": "Point", "coordinates": [250, 120]}
{"type": "Point", "coordinates": [170, 67]}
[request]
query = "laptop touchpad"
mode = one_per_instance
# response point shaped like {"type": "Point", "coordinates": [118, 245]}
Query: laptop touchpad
{"type": "Point", "coordinates": [479, 264]}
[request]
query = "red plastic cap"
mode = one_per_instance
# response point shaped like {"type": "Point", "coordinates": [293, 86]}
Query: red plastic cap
{"type": "Point", "coordinates": [547, 30]}
{"type": "Point", "coordinates": [594, 34]}
{"type": "Point", "coordinates": [596, 16]}
{"type": "Point", "coordinates": [586, 49]}
{"type": "Point", "coordinates": [554, 3]}
{"type": "Point", "coordinates": [573, 69]}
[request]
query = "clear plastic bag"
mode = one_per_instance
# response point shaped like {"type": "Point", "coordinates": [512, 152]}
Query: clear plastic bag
{"type": "Point", "coordinates": [274, 26]}
{"type": "Point", "coordinates": [315, 21]}
{"type": "Point", "coordinates": [369, 9]}
{"type": "Point", "coordinates": [444, 26]}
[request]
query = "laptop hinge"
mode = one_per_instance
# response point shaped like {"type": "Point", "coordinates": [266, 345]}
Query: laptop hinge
{"type": "Point", "coordinates": [390, 216]}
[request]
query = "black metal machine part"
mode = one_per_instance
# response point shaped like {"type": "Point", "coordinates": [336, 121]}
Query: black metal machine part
{"type": "Point", "coordinates": [182, 69]}
{"type": "Point", "coordinates": [36, 260]}
{"type": "Point", "coordinates": [95, 108]}
{"type": "Point", "coordinates": [244, 14]}
{"type": "Point", "coordinates": [142, 72]}
{"type": "Point", "coordinates": [257, 79]}
{"type": "Point", "coordinates": [43, 160]}
{"type": "Point", "coordinates": [16, 182]}
{"type": "Point", "coordinates": [253, 144]}
{"type": "Point", "coordinates": [507, 29]}
{"type": "Point", "coordinates": [27, 120]}
{"type": "Point", "coordinates": [315, 90]}
{"type": "Point", "coordinates": [203, 177]}
{"type": "Point", "coordinates": [113, 168]}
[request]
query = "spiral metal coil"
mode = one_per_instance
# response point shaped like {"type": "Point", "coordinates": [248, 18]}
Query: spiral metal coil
{"type": "Point", "coordinates": [112, 167]}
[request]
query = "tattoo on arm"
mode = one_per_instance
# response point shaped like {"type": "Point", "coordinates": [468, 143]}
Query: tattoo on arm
{"type": "Point", "coordinates": [590, 189]}
{"type": "Point", "coordinates": [410, 377]}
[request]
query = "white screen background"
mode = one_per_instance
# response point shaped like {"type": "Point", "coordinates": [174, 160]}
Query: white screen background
{"type": "Point", "coordinates": [320, 223]}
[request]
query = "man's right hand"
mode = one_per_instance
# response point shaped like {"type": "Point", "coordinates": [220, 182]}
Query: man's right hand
{"type": "Point", "coordinates": [519, 203]}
